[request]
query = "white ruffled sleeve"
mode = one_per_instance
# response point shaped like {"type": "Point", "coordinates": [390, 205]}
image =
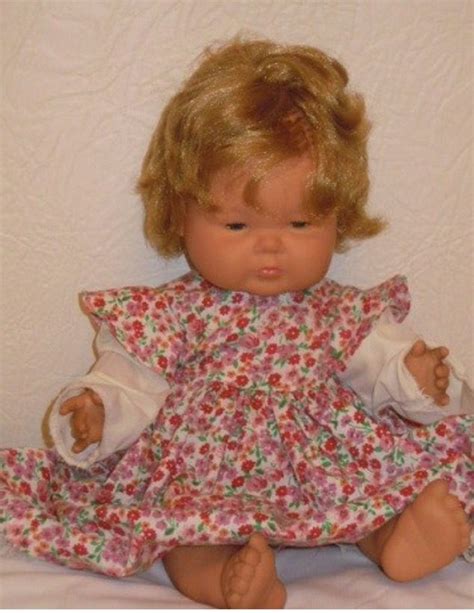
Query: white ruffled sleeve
{"type": "Point", "coordinates": [132, 395]}
{"type": "Point", "coordinates": [377, 373]}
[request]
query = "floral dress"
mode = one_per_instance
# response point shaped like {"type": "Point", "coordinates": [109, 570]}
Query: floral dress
{"type": "Point", "coordinates": [258, 433]}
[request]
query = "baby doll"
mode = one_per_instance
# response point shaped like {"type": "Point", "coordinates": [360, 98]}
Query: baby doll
{"type": "Point", "coordinates": [252, 402]}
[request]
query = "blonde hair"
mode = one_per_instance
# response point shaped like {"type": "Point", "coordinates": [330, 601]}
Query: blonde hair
{"type": "Point", "coordinates": [255, 103]}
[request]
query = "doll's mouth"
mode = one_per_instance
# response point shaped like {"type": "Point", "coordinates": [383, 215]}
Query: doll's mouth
{"type": "Point", "coordinates": [269, 272]}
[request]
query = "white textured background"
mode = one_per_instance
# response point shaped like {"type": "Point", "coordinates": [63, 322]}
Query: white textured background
{"type": "Point", "coordinates": [83, 84]}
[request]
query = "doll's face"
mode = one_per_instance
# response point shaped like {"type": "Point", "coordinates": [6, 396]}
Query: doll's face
{"type": "Point", "coordinates": [266, 251]}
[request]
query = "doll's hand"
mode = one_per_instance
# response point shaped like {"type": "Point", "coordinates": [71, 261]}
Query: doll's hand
{"type": "Point", "coordinates": [429, 371]}
{"type": "Point", "coordinates": [87, 419]}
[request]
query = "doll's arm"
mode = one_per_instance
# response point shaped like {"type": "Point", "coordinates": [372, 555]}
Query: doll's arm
{"type": "Point", "coordinates": [130, 393]}
{"type": "Point", "coordinates": [379, 375]}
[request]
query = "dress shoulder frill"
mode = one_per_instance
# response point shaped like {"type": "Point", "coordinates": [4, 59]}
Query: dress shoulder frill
{"type": "Point", "coordinates": [143, 320]}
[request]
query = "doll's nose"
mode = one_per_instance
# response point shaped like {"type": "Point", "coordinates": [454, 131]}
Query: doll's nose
{"type": "Point", "coordinates": [268, 242]}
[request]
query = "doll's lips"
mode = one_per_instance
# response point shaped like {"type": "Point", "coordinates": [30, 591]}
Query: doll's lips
{"type": "Point", "coordinates": [269, 272]}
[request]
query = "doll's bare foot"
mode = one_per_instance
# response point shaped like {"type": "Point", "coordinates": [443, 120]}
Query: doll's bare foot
{"type": "Point", "coordinates": [249, 578]}
{"type": "Point", "coordinates": [427, 536]}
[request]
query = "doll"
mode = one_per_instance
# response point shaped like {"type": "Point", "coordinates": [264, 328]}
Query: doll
{"type": "Point", "coordinates": [252, 402]}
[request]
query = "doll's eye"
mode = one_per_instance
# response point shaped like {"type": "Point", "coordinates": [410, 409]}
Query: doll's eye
{"type": "Point", "coordinates": [300, 224]}
{"type": "Point", "coordinates": [235, 227]}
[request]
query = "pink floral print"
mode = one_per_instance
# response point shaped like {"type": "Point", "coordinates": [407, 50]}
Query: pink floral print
{"type": "Point", "coordinates": [257, 434]}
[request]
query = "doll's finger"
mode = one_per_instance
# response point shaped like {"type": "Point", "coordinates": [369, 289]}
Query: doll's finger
{"type": "Point", "coordinates": [69, 406]}
{"type": "Point", "coordinates": [80, 446]}
{"type": "Point", "coordinates": [418, 348]}
{"type": "Point", "coordinates": [440, 352]}
{"type": "Point", "coordinates": [94, 396]}
{"type": "Point", "coordinates": [442, 401]}
{"type": "Point", "coordinates": [442, 371]}
{"type": "Point", "coordinates": [442, 384]}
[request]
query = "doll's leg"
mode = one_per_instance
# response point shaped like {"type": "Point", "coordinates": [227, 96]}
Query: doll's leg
{"type": "Point", "coordinates": [427, 536]}
{"type": "Point", "coordinates": [228, 576]}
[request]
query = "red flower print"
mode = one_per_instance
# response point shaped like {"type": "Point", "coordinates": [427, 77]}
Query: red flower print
{"type": "Point", "coordinates": [368, 448]}
{"type": "Point", "coordinates": [206, 408]}
{"type": "Point", "coordinates": [99, 302]}
{"type": "Point", "coordinates": [348, 489]}
{"type": "Point", "coordinates": [133, 515]}
{"type": "Point", "coordinates": [301, 468]}
{"type": "Point", "coordinates": [382, 431]}
{"type": "Point", "coordinates": [160, 305]}
{"type": "Point", "coordinates": [441, 429]}
{"type": "Point", "coordinates": [80, 549]}
{"type": "Point", "coordinates": [421, 474]}
{"type": "Point", "coordinates": [204, 449]}
{"type": "Point", "coordinates": [130, 489]}
{"type": "Point", "coordinates": [158, 475]}
{"type": "Point", "coordinates": [375, 464]}
{"type": "Point", "coordinates": [242, 380]}
{"type": "Point", "coordinates": [243, 322]}
{"type": "Point", "coordinates": [176, 420]}
{"type": "Point", "coordinates": [370, 490]}
{"type": "Point", "coordinates": [25, 488]}
{"type": "Point", "coordinates": [345, 334]}
{"type": "Point", "coordinates": [359, 417]}
{"type": "Point", "coordinates": [292, 333]}
{"type": "Point", "coordinates": [207, 301]}
{"type": "Point", "coordinates": [246, 357]}
{"type": "Point", "coordinates": [245, 530]}
{"type": "Point", "coordinates": [149, 534]}
{"type": "Point", "coordinates": [163, 362]}
{"type": "Point", "coordinates": [330, 444]}
{"type": "Point", "coordinates": [310, 362]}
{"type": "Point", "coordinates": [247, 465]}
{"type": "Point", "coordinates": [238, 482]}
{"type": "Point", "coordinates": [224, 310]}
{"type": "Point", "coordinates": [282, 491]}
{"type": "Point", "coordinates": [315, 533]}
{"type": "Point", "coordinates": [294, 359]}
{"type": "Point", "coordinates": [45, 474]}
{"type": "Point", "coordinates": [450, 457]}
{"type": "Point", "coordinates": [271, 349]}
{"type": "Point", "coordinates": [227, 392]}
{"type": "Point", "coordinates": [137, 328]}
{"type": "Point", "coordinates": [379, 521]}
{"type": "Point", "coordinates": [407, 491]}
{"type": "Point", "coordinates": [256, 404]}
{"type": "Point", "coordinates": [101, 512]}
{"type": "Point", "coordinates": [260, 517]}
{"type": "Point", "coordinates": [231, 338]}
{"type": "Point", "coordinates": [274, 379]}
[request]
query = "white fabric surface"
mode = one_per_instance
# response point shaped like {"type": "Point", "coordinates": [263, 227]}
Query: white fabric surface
{"type": "Point", "coordinates": [327, 577]}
